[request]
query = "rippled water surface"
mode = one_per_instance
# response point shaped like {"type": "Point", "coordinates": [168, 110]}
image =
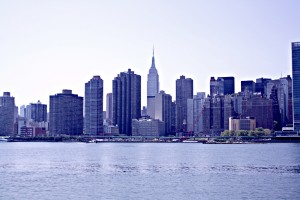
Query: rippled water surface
{"type": "Point", "coordinates": [149, 171]}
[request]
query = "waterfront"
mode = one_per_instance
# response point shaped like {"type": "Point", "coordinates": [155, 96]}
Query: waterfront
{"type": "Point", "coordinates": [149, 171]}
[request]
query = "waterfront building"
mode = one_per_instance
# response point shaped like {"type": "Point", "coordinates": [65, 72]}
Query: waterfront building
{"type": "Point", "coordinates": [109, 108]}
{"type": "Point", "coordinates": [260, 108]}
{"type": "Point", "coordinates": [126, 100]}
{"type": "Point", "coordinates": [94, 106]}
{"type": "Point", "coordinates": [66, 114]}
{"type": "Point", "coordinates": [163, 106]}
{"type": "Point", "coordinates": [194, 113]}
{"type": "Point", "coordinates": [184, 91]}
{"type": "Point", "coordinates": [248, 85]}
{"type": "Point", "coordinates": [37, 112]}
{"type": "Point", "coordinates": [148, 127]}
{"type": "Point", "coordinates": [7, 114]}
{"type": "Point", "coordinates": [238, 123]}
{"type": "Point", "coordinates": [296, 84]}
{"type": "Point", "coordinates": [152, 88]}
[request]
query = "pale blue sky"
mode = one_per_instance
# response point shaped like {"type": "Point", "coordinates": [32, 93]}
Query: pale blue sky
{"type": "Point", "coordinates": [46, 46]}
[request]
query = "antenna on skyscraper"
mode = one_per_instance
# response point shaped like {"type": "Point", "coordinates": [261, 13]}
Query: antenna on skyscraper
{"type": "Point", "coordinates": [153, 50]}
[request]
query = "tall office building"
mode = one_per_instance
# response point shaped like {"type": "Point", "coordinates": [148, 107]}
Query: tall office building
{"type": "Point", "coordinates": [163, 107]}
{"type": "Point", "coordinates": [7, 114]}
{"type": "Point", "coordinates": [194, 113]}
{"type": "Point", "coordinates": [290, 100]}
{"type": "Point", "coordinates": [229, 86]}
{"type": "Point", "coordinates": [94, 106]}
{"type": "Point", "coordinates": [37, 112]}
{"type": "Point", "coordinates": [66, 114]}
{"type": "Point", "coordinates": [261, 108]}
{"type": "Point", "coordinates": [281, 98]}
{"type": "Point", "coordinates": [184, 91]}
{"type": "Point", "coordinates": [126, 100]}
{"type": "Point", "coordinates": [249, 85]}
{"type": "Point", "coordinates": [216, 86]}
{"type": "Point", "coordinates": [109, 108]}
{"type": "Point", "coordinates": [261, 84]}
{"type": "Point", "coordinates": [152, 88]}
{"type": "Point", "coordinates": [296, 83]}
{"type": "Point", "coordinates": [222, 85]}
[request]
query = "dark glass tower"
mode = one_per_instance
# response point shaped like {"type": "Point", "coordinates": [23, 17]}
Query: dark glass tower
{"type": "Point", "coordinates": [250, 85]}
{"type": "Point", "coordinates": [296, 83]}
{"type": "Point", "coordinates": [184, 91]}
{"type": "Point", "coordinates": [94, 106]}
{"type": "Point", "coordinates": [66, 114]}
{"type": "Point", "coordinates": [126, 100]}
{"type": "Point", "coordinates": [228, 85]}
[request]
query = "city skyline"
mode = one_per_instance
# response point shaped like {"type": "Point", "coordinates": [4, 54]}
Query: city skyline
{"type": "Point", "coordinates": [50, 46]}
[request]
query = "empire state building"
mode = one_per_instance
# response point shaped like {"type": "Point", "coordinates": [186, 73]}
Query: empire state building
{"type": "Point", "coordinates": [152, 88]}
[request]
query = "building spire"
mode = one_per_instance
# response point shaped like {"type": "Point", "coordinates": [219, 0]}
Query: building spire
{"type": "Point", "coordinates": [153, 60]}
{"type": "Point", "coordinates": [153, 50]}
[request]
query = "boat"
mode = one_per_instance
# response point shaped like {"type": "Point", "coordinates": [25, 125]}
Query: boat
{"type": "Point", "coordinates": [190, 141]}
{"type": "Point", "coordinates": [3, 139]}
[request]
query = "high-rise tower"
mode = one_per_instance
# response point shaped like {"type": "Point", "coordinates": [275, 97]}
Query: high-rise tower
{"type": "Point", "coordinates": [126, 100]}
{"type": "Point", "coordinates": [184, 91]}
{"type": "Point", "coordinates": [94, 106]}
{"type": "Point", "coordinates": [152, 88]}
{"type": "Point", "coordinates": [66, 114]}
{"type": "Point", "coordinates": [7, 107]}
{"type": "Point", "coordinates": [296, 83]}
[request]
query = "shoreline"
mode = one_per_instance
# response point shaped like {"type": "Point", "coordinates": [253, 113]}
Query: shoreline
{"type": "Point", "coordinates": [201, 140]}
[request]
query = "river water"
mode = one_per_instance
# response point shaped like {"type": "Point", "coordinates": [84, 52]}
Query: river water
{"type": "Point", "coordinates": [149, 171]}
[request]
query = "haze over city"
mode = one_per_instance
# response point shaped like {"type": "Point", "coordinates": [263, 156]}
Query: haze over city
{"type": "Point", "coordinates": [53, 45]}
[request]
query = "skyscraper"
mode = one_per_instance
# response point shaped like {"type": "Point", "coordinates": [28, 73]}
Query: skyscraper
{"type": "Point", "coordinates": [94, 106]}
{"type": "Point", "coordinates": [7, 114]}
{"type": "Point", "coordinates": [152, 88]}
{"type": "Point", "coordinates": [229, 87]}
{"type": "Point", "coordinates": [184, 91]}
{"type": "Point", "coordinates": [216, 86]}
{"type": "Point", "coordinates": [163, 106]}
{"type": "Point", "coordinates": [109, 108]}
{"type": "Point", "coordinates": [66, 114]}
{"type": "Point", "coordinates": [126, 100]}
{"type": "Point", "coordinates": [296, 83]}
{"type": "Point", "coordinates": [37, 112]}
{"type": "Point", "coordinates": [261, 84]}
{"type": "Point", "coordinates": [250, 85]}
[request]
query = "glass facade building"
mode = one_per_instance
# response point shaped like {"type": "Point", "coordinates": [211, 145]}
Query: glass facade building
{"type": "Point", "coordinates": [296, 83]}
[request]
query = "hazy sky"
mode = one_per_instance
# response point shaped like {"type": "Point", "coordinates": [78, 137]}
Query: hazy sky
{"type": "Point", "coordinates": [46, 46]}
